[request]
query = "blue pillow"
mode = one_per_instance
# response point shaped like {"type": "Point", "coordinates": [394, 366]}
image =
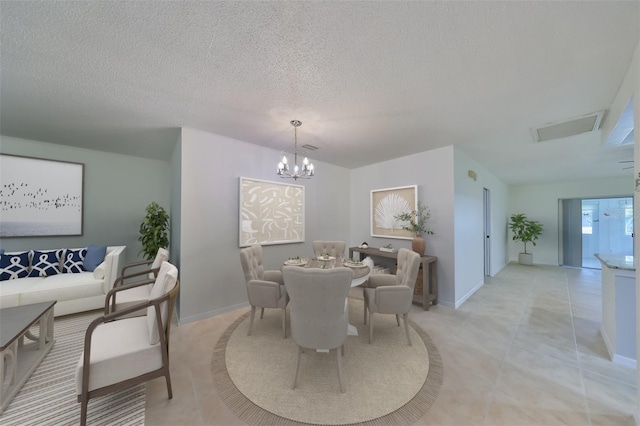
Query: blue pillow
{"type": "Point", "coordinates": [95, 256]}
{"type": "Point", "coordinates": [14, 266]}
{"type": "Point", "coordinates": [1, 251]}
{"type": "Point", "coordinates": [73, 261]}
{"type": "Point", "coordinates": [45, 263]}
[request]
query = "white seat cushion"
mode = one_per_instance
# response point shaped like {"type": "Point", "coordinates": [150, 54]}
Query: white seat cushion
{"type": "Point", "coordinates": [120, 350]}
{"type": "Point", "coordinates": [61, 287]}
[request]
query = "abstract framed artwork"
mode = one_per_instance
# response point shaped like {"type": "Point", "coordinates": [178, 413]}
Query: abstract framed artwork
{"type": "Point", "coordinates": [387, 203]}
{"type": "Point", "coordinates": [40, 198]}
{"type": "Point", "coordinates": [270, 212]}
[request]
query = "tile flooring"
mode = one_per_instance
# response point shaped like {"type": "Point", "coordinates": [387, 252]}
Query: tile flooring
{"type": "Point", "coordinates": [523, 350]}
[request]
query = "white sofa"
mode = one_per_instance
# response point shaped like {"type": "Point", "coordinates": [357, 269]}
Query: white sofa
{"type": "Point", "coordinates": [83, 291]}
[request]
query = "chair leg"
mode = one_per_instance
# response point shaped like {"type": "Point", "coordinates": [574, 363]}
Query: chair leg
{"type": "Point", "coordinates": [253, 315]}
{"type": "Point", "coordinates": [168, 379]}
{"type": "Point", "coordinates": [370, 327]}
{"type": "Point", "coordinates": [338, 351]}
{"type": "Point", "coordinates": [366, 307]}
{"type": "Point", "coordinates": [398, 320]}
{"type": "Point", "coordinates": [295, 378]}
{"type": "Point", "coordinates": [284, 323]}
{"type": "Point", "coordinates": [83, 410]}
{"type": "Point", "coordinates": [405, 317]}
{"type": "Point", "coordinates": [262, 313]}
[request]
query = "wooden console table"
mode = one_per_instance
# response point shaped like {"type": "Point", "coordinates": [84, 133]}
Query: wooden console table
{"type": "Point", "coordinates": [429, 274]}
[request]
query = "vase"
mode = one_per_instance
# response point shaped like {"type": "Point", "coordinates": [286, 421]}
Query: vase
{"type": "Point", "coordinates": [418, 244]}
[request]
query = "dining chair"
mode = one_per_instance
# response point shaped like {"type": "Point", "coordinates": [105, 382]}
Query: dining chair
{"type": "Point", "coordinates": [332, 248]}
{"type": "Point", "coordinates": [319, 310]}
{"type": "Point", "coordinates": [142, 273]}
{"type": "Point", "coordinates": [120, 354]}
{"type": "Point", "coordinates": [265, 289]}
{"type": "Point", "coordinates": [392, 294]}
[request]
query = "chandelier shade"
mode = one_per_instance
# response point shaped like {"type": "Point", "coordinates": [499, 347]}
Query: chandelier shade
{"type": "Point", "coordinates": [306, 171]}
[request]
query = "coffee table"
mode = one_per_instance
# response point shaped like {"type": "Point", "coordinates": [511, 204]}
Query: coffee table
{"type": "Point", "coordinates": [18, 360]}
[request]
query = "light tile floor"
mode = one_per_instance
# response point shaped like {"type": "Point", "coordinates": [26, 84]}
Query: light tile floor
{"type": "Point", "coordinates": [524, 350]}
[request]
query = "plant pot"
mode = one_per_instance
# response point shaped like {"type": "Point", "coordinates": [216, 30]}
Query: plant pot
{"type": "Point", "coordinates": [525, 258]}
{"type": "Point", "coordinates": [418, 244]}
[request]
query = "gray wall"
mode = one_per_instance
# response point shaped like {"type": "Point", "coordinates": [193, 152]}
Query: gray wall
{"type": "Point", "coordinates": [212, 281]}
{"type": "Point", "coordinates": [117, 189]}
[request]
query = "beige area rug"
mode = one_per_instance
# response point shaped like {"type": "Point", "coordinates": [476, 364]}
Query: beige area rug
{"type": "Point", "coordinates": [49, 396]}
{"type": "Point", "coordinates": [388, 382]}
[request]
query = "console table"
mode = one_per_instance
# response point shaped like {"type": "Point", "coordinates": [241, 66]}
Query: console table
{"type": "Point", "coordinates": [429, 274]}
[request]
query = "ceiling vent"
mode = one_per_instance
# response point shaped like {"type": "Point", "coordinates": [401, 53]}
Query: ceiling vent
{"type": "Point", "coordinates": [564, 129]}
{"type": "Point", "coordinates": [309, 147]}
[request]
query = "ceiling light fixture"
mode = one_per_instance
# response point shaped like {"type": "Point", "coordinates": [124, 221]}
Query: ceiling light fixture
{"type": "Point", "coordinates": [307, 169]}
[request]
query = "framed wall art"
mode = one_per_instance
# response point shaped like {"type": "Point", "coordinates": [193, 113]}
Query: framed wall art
{"type": "Point", "coordinates": [39, 197]}
{"type": "Point", "coordinates": [270, 212]}
{"type": "Point", "coordinates": [387, 203]}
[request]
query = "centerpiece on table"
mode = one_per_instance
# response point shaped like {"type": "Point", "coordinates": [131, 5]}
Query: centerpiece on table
{"type": "Point", "coordinates": [416, 222]}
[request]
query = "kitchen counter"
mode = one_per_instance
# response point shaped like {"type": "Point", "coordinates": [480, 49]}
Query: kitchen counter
{"type": "Point", "coordinates": [616, 261]}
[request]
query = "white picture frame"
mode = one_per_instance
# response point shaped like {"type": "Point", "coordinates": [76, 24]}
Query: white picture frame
{"type": "Point", "coordinates": [40, 197]}
{"type": "Point", "coordinates": [387, 203]}
{"type": "Point", "coordinates": [270, 213]}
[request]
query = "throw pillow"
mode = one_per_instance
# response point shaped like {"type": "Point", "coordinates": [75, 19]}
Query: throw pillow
{"type": "Point", "coordinates": [95, 255]}
{"type": "Point", "coordinates": [1, 251]}
{"type": "Point", "coordinates": [73, 261]}
{"type": "Point", "coordinates": [45, 263]}
{"type": "Point", "coordinates": [14, 265]}
{"type": "Point", "coordinates": [165, 281]}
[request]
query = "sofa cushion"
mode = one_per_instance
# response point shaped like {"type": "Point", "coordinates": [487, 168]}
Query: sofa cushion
{"type": "Point", "coordinates": [45, 263]}
{"type": "Point", "coordinates": [74, 261]}
{"type": "Point", "coordinates": [14, 265]}
{"type": "Point", "coordinates": [94, 257]}
{"type": "Point", "coordinates": [60, 287]}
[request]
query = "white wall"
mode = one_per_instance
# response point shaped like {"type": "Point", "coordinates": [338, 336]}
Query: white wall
{"type": "Point", "coordinates": [432, 171]}
{"type": "Point", "coordinates": [212, 281]}
{"type": "Point", "coordinates": [469, 225]}
{"type": "Point", "coordinates": [540, 202]}
{"type": "Point", "coordinates": [117, 189]}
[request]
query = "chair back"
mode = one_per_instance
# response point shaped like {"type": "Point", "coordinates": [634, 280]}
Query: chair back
{"type": "Point", "coordinates": [333, 248]}
{"type": "Point", "coordinates": [319, 317]}
{"type": "Point", "coordinates": [161, 256]}
{"type": "Point", "coordinates": [166, 282]}
{"type": "Point", "coordinates": [408, 266]}
{"type": "Point", "coordinates": [252, 264]}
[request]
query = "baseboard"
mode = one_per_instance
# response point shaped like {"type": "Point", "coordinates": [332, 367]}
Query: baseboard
{"type": "Point", "coordinates": [623, 360]}
{"type": "Point", "coordinates": [186, 320]}
{"type": "Point", "coordinates": [468, 295]}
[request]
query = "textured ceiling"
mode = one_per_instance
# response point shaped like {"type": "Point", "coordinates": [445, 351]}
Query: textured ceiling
{"type": "Point", "coordinates": [370, 81]}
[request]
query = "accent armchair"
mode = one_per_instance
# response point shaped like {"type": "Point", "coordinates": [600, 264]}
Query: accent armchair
{"type": "Point", "coordinates": [120, 354]}
{"type": "Point", "coordinates": [333, 248]}
{"type": "Point", "coordinates": [319, 312]}
{"type": "Point", "coordinates": [265, 289]}
{"type": "Point", "coordinates": [393, 294]}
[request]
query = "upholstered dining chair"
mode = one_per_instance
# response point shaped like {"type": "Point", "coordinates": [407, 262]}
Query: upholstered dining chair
{"type": "Point", "coordinates": [319, 312]}
{"type": "Point", "coordinates": [142, 273]}
{"type": "Point", "coordinates": [332, 248]}
{"type": "Point", "coordinates": [392, 294]}
{"type": "Point", "coordinates": [265, 289]}
{"type": "Point", "coordinates": [120, 354]}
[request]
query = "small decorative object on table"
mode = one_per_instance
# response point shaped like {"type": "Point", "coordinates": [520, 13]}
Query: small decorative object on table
{"type": "Point", "coordinates": [388, 248]}
{"type": "Point", "coordinates": [364, 245]}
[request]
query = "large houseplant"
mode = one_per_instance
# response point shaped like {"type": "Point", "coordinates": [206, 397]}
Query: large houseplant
{"type": "Point", "coordinates": [527, 231]}
{"type": "Point", "coordinates": [154, 230]}
{"type": "Point", "coordinates": [416, 222]}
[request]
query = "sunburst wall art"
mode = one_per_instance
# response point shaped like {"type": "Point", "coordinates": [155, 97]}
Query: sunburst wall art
{"type": "Point", "coordinates": [387, 203]}
{"type": "Point", "coordinates": [270, 212]}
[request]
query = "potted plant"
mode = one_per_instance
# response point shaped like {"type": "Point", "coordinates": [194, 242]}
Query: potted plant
{"type": "Point", "coordinates": [154, 230]}
{"type": "Point", "coordinates": [527, 231]}
{"type": "Point", "coordinates": [416, 222]}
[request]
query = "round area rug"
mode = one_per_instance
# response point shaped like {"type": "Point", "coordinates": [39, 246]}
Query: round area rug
{"type": "Point", "coordinates": [387, 382]}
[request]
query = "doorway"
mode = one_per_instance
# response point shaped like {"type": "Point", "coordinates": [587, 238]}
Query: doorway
{"type": "Point", "coordinates": [595, 225]}
{"type": "Point", "coordinates": [487, 232]}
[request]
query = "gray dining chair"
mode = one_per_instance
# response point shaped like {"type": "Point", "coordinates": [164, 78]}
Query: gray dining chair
{"type": "Point", "coordinates": [392, 294]}
{"type": "Point", "coordinates": [332, 248]}
{"type": "Point", "coordinates": [319, 311]}
{"type": "Point", "coordinates": [265, 289]}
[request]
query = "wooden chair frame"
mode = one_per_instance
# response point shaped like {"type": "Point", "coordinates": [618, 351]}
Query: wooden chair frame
{"type": "Point", "coordinates": [85, 394]}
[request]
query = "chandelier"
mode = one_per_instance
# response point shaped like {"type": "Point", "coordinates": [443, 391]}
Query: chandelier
{"type": "Point", "coordinates": [307, 169]}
